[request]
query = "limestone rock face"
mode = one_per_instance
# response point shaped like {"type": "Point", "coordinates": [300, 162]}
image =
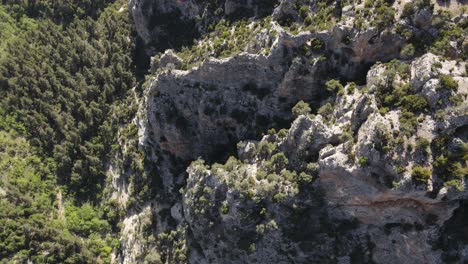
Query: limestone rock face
{"type": "Point", "coordinates": [168, 60]}
{"type": "Point", "coordinates": [236, 98]}
{"type": "Point", "coordinates": [374, 202]}
{"type": "Point", "coordinates": [375, 173]}
{"type": "Point", "coordinates": [155, 21]}
{"type": "Point", "coordinates": [174, 23]}
{"type": "Point", "coordinates": [423, 69]}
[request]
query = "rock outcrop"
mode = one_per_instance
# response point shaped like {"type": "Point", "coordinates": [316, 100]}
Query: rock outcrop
{"type": "Point", "coordinates": [357, 187]}
{"type": "Point", "coordinates": [377, 175]}
{"type": "Point", "coordinates": [170, 24]}
{"type": "Point", "coordinates": [239, 97]}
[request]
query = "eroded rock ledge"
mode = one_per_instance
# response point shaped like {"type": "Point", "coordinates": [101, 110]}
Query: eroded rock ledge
{"type": "Point", "coordinates": [205, 110]}
{"type": "Point", "coordinates": [364, 180]}
{"type": "Point", "coordinates": [353, 184]}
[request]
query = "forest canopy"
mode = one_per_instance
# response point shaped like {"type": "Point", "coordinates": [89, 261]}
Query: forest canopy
{"type": "Point", "coordinates": [63, 65]}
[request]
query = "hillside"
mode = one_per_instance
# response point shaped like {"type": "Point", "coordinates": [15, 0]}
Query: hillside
{"type": "Point", "coordinates": [260, 131]}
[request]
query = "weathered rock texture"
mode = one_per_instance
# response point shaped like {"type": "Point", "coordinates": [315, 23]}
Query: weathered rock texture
{"type": "Point", "coordinates": [377, 213]}
{"type": "Point", "coordinates": [169, 24]}
{"type": "Point", "coordinates": [366, 180]}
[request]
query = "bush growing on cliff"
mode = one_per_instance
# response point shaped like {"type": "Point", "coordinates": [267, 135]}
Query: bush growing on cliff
{"type": "Point", "coordinates": [382, 138]}
{"type": "Point", "coordinates": [412, 7]}
{"type": "Point", "coordinates": [447, 82]}
{"type": "Point", "coordinates": [335, 86]}
{"type": "Point", "coordinates": [457, 184]}
{"type": "Point", "coordinates": [408, 51]}
{"type": "Point", "coordinates": [385, 16]}
{"type": "Point", "coordinates": [265, 148]}
{"type": "Point", "coordinates": [363, 161]}
{"type": "Point", "coordinates": [282, 133]}
{"type": "Point", "coordinates": [449, 33]}
{"type": "Point", "coordinates": [326, 111]}
{"type": "Point", "coordinates": [316, 44]}
{"type": "Point", "coordinates": [279, 161]}
{"type": "Point", "coordinates": [413, 103]}
{"type": "Point", "coordinates": [224, 207]}
{"type": "Point", "coordinates": [322, 18]}
{"type": "Point", "coordinates": [351, 87]}
{"type": "Point", "coordinates": [301, 108]}
{"type": "Point", "coordinates": [448, 161]}
{"type": "Point", "coordinates": [408, 123]}
{"type": "Point", "coordinates": [303, 11]}
{"type": "Point", "coordinates": [420, 174]}
{"type": "Point", "coordinates": [422, 144]}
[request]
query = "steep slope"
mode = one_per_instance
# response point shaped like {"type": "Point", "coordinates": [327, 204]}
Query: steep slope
{"type": "Point", "coordinates": [64, 67]}
{"type": "Point", "coordinates": [288, 131]}
{"type": "Point", "coordinates": [363, 185]}
{"type": "Point", "coordinates": [375, 176]}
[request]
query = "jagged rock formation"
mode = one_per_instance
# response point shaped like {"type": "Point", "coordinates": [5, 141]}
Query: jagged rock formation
{"type": "Point", "coordinates": [236, 98]}
{"type": "Point", "coordinates": [375, 176]}
{"type": "Point", "coordinates": [169, 24]}
{"type": "Point", "coordinates": [375, 205]}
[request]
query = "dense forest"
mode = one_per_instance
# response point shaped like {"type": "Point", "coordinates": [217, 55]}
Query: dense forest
{"type": "Point", "coordinates": [63, 65]}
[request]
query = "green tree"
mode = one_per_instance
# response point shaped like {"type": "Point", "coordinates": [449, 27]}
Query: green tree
{"type": "Point", "coordinates": [408, 51]}
{"type": "Point", "coordinates": [301, 108]}
{"type": "Point", "coordinates": [334, 86]}
{"type": "Point", "coordinates": [420, 174]}
{"type": "Point", "coordinates": [447, 82]}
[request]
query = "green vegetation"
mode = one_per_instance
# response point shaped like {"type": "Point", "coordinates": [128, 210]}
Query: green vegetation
{"type": "Point", "coordinates": [316, 44]}
{"type": "Point", "coordinates": [282, 133]}
{"type": "Point", "coordinates": [379, 12]}
{"type": "Point", "coordinates": [413, 103]}
{"type": "Point", "coordinates": [457, 184]}
{"type": "Point", "coordinates": [447, 82]}
{"type": "Point", "coordinates": [225, 39]}
{"type": "Point", "coordinates": [60, 12]}
{"type": "Point", "coordinates": [335, 86]}
{"type": "Point", "coordinates": [410, 8]}
{"type": "Point", "coordinates": [265, 148]}
{"type": "Point", "coordinates": [422, 144]}
{"type": "Point", "coordinates": [66, 73]}
{"type": "Point", "coordinates": [384, 15]}
{"type": "Point", "coordinates": [408, 51]}
{"type": "Point", "coordinates": [408, 123]}
{"type": "Point", "coordinates": [64, 89]}
{"type": "Point", "coordinates": [310, 16]}
{"type": "Point", "coordinates": [172, 247]}
{"type": "Point", "coordinates": [322, 18]}
{"type": "Point", "coordinates": [351, 87]}
{"type": "Point", "coordinates": [12, 27]}
{"type": "Point", "coordinates": [420, 174]}
{"type": "Point", "coordinates": [399, 95]}
{"type": "Point", "coordinates": [449, 164]}
{"type": "Point", "coordinates": [274, 180]}
{"type": "Point", "coordinates": [301, 108]}
{"type": "Point", "coordinates": [383, 140]}
{"type": "Point", "coordinates": [363, 161]}
{"type": "Point", "coordinates": [277, 162]}
{"type": "Point", "coordinates": [448, 31]}
{"type": "Point", "coordinates": [33, 215]}
{"type": "Point", "coordinates": [63, 65]}
{"type": "Point", "coordinates": [224, 207]}
{"type": "Point", "coordinates": [326, 111]}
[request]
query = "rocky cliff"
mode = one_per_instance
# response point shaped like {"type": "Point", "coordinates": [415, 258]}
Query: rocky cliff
{"type": "Point", "coordinates": [368, 167]}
